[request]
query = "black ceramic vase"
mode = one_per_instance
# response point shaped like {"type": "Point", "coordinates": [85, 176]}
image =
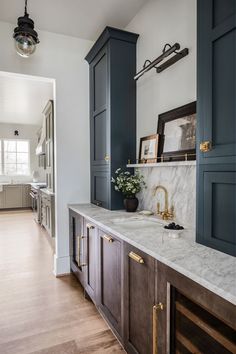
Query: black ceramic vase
{"type": "Point", "coordinates": [131, 204]}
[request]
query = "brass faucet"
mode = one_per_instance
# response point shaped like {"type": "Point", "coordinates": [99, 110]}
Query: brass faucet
{"type": "Point", "coordinates": [166, 213]}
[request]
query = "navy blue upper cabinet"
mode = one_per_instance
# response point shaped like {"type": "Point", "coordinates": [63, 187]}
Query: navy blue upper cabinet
{"type": "Point", "coordinates": [216, 109]}
{"type": "Point", "coordinates": [112, 62]}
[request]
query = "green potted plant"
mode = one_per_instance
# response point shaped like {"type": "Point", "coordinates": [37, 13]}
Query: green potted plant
{"type": "Point", "coordinates": [129, 185]}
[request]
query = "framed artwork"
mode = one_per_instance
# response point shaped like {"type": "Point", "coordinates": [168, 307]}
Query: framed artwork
{"type": "Point", "coordinates": [148, 150]}
{"type": "Point", "coordinates": [177, 129]}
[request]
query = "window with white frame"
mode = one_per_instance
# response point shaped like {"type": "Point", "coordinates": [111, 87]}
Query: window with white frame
{"type": "Point", "coordinates": [14, 157]}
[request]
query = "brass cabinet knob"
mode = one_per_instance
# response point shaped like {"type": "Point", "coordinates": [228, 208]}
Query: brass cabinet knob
{"type": "Point", "coordinates": [205, 146]}
{"type": "Point", "coordinates": [107, 158]}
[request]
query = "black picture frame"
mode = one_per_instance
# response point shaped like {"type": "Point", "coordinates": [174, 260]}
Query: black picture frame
{"type": "Point", "coordinates": [174, 114]}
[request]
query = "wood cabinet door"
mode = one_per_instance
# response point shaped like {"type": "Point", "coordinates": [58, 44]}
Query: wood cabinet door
{"type": "Point", "coordinates": [13, 196]}
{"type": "Point", "coordinates": [109, 289]}
{"type": "Point", "coordinates": [99, 125]}
{"type": "Point", "coordinates": [77, 247]}
{"type": "Point", "coordinates": [217, 79]}
{"type": "Point", "coordinates": [91, 262]}
{"type": "Point", "coordinates": [100, 187]}
{"type": "Point", "coordinates": [139, 299]}
{"type": "Point", "coordinates": [216, 111]}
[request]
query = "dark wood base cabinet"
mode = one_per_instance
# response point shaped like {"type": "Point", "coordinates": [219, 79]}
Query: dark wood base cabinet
{"type": "Point", "coordinates": [139, 299]}
{"type": "Point", "coordinates": [150, 307]}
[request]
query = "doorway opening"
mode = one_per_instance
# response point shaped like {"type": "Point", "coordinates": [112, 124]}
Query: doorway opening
{"type": "Point", "coordinates": [28, 150]}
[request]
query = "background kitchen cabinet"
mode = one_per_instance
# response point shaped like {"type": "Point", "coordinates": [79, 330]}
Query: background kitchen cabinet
{"type": "Point", "coordinates": [112, 62]}
{"type": "Point", "coordinates": [26, 201]}
{"type": "Point", "coordinates": [139, 299]}
{"type": "Point", "coordinates": [110, 280]}
{"type": "Point", "coordinates": [216, 109]}
{"type": "Point", "coordinates": [77, 246]}
{"type": "Point", "coordinates": [48, 212]}
{"type": "Point", "coordinates": [13, 196]}
{"type": "Point", "coordinates": [49, 145]}
{"type": "Point", "coordinates": [91, 255]}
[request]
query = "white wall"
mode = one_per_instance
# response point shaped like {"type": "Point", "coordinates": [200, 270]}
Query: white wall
{"type": "Point", "coordinates": [160, 22]}
{"type": "Point", "coordinates": [62, 58]}
{"type": "Point", "coordinates": [27, 132]}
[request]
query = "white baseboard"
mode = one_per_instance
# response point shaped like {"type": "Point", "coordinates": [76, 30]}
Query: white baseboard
{"type": "Point", "coordinates": [61, 265]}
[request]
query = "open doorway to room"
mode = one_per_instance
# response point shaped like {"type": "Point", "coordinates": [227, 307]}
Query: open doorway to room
{"type": "Point", "coordinates": [27, 151]}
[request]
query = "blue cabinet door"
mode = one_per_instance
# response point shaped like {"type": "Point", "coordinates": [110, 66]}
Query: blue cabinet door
{"type": "Point", "coordinates": [216, 111]}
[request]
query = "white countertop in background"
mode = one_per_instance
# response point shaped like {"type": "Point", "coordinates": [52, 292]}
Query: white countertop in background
{"type": "Point", "coordinates": [212, 269]}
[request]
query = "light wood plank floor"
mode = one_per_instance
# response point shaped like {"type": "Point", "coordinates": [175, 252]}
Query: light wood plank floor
{"type": "Point", "coordinates": [39, 313]}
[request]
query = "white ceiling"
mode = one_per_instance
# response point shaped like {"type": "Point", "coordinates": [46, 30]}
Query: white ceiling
{"type": "Point", "coordinates": [79, 18]}
{"type": "Point", "coordinates": [22, 99]}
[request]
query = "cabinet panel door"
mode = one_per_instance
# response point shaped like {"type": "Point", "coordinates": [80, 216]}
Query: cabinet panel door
{"type": "Point", "coordinates": [110, 279]}
{"type": "Point", "coordinates": [99, 125]}
{"type": "Point", "coordinates": [100, 187]}
{"type": "Point", "coordinates": [13, 197]}
{"type": "Point", "coordinates": [217, 210]}
{"type": "Point", "coordinates": [217, 79]}
{"type": "Point", "coordinates": [77, 246]}
{"type": "Point", "coordinates": [139, 299]}
{"type": "Point", "coordinates": [91, 268]}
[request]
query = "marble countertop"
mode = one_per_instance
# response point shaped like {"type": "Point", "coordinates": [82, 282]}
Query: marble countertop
{"type": "Point", "coordinates": [212, 269]}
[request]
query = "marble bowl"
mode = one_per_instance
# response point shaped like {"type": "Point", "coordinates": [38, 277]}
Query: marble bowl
{"type": "Point", "coordinates": [173, 233]}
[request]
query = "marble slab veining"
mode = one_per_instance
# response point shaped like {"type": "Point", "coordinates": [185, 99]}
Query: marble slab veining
{"type": "Point", "coordinates": [180, 183]}
{"type": "Point", "coordinates": [212, 269]}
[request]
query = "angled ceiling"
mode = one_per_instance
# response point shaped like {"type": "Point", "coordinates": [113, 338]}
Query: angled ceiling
{"type": "Point", "coordinates": [79, 18]}
{"type": "Point", "coordinates": [22, 99]}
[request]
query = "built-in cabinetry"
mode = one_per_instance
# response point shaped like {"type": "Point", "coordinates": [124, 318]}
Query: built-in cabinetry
{"type": "Point", "coordinates": [48, 212]}
{"type": "Point", "coordinates": [149, 306]}
{"type": "Point", "coordinates": [112, 62]}
{"type": "Point", "coordinates": [13, 196]}
{"type": "Point", "coordinates": [216, 109]}
{"type": "Point", "coordinates": [49, 145]}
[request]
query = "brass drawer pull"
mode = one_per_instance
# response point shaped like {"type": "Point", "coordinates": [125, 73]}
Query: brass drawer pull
{"type": "Point", "coordinates": [136, 257]}
{"type": "Point", "coordinates": [107, 158]}
{"type": "Point", "coordinates": [155, 310]}
{"type": "Point", "coordinates": [90, 227]}
{"type": "Point", "coordinates": [205, 146]}
{"type": "Point", "coordinates": [107, 238]}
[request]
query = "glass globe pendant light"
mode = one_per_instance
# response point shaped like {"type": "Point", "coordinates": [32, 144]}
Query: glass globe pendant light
{"type": "Point", "coordinates": [26, 38]}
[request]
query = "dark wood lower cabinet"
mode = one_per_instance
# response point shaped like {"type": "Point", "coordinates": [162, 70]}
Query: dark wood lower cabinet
{"type": "Point", "coordinates": [77, 246]}
{"type": "Point", "coordinates": [110, 274]}
{"type": "Point", "coordinates": [139, 299]}
{"type": "Point", "coordinates": [151, 308]}
{"type": "Point", "coordinates": [91, 267]}
{"type": "Point", "coordinates": [195, 320]}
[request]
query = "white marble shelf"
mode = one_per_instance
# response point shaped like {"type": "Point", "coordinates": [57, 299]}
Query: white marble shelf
{"type": "Point", "coordinates": [162, 164]}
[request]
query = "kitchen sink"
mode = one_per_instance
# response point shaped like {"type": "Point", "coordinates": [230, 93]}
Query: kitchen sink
{"type": "Point", "coordinates": [138, 222]}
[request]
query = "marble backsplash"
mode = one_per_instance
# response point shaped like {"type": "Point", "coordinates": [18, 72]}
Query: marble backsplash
{"type": "Point", "coordinates": [180, 182]}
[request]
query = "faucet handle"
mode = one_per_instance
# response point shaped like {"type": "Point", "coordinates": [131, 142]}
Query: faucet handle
{"type": "Point", "coordinates": [158, 208]}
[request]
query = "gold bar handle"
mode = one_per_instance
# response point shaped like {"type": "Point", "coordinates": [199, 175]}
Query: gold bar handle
{"type": "Point", "coordinates": [205, 146]}
{"type": "Point", "coordinates": [107, 238]}
{"type": "Point", "coordinates": [136, 257]}
{"type": "Point", "coordinates": [155, 310]}
{"type": "Point", "coordinates": [90, 227]}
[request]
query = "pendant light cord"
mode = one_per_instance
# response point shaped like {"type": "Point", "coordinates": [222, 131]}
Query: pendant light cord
{"type": "Point", "coordinates": [26, 3]}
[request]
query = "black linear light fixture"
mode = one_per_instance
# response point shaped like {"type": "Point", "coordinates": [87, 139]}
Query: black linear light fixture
{"type": "Point", "coordinates": [26, 38]}
{"type": "Point", "coordinates": [167, 50]}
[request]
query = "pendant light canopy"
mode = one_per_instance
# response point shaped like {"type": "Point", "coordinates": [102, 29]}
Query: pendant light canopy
{"type": "Point", "coordinates": [26, 38]}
